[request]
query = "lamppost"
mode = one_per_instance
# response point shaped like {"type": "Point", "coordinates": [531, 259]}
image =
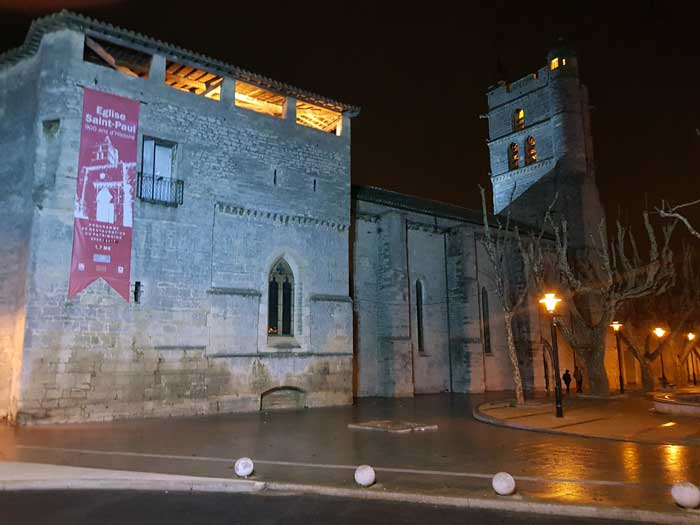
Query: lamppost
{"type": "Point", "coordinates": [691, 337]}
{"type": "Point", "coordinates": [550, 301]}
{"type": "Point", "coordinates": [660, 332]}
{"type": "Point", "coordinates": [616, 327]}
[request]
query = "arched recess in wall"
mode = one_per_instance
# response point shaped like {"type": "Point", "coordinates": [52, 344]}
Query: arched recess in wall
{"type": "Point", "coordinates": [420, 316]}
{"type": "Point", "coordinates": [486, 320]}
{"type": "Point", "coordinates": [280, 300]}
{"type": "Point", "coordinates": [283, 397]}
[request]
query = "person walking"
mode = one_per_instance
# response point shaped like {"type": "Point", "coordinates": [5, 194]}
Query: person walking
{"type": "Point", "coordinates": [578, 376]}
{"type": "Point", "coordinates": [567, 380]}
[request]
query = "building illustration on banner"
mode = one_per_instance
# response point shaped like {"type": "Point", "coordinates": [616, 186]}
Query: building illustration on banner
{"type": "Point", "coordinates": [109, 182]}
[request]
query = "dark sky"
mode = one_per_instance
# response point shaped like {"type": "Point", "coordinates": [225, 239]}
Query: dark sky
{"type": "Point", "coordinates": [420, 75]}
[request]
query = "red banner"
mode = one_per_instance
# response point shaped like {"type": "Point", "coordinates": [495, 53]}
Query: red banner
{"type": "Point", "coordinates": [104, 197]}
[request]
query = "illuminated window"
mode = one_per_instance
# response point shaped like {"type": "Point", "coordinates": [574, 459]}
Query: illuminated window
{"type": "Point", "coordinates": [563, 61]}
{"type": "Point", "coordinates": [317, 117]}
{"type": "Point", "coordinates": [554, 64]}
{"type": "Point", "coordinates": [518, 119]}
{"type": "Point", "coordinates": [513, 157]}
{"type": "Point", "coordinates": [193, 80]}
{"type": "Point", "coordinates": [258, 99]}
{"type": "Point", "coordinates": [530, 151]}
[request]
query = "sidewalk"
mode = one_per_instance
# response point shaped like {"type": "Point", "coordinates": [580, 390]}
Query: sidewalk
{"type": "Point", "coordinates": [630, 418]}
{"type": "Point", "coordinates": [315, 451]}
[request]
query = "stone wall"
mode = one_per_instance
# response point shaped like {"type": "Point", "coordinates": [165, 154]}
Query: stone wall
{"type": "Point", "coordinates": [257, 188]}
{"type": "Point", "coordinates": [426, 262]}
{"type": "Point", "coordinates": [394, 246]}
{"type": "Point", "coordinates": [466, 344]}
{"type": "Point", "coordinates": [20, 131]}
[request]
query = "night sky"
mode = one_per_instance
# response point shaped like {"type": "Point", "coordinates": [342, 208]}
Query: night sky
{"type": "Point", "coordinates": [420, 75]}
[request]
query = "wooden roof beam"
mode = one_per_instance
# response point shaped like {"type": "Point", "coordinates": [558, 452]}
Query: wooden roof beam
{"type": "Point", "coordinates": [107, 57]}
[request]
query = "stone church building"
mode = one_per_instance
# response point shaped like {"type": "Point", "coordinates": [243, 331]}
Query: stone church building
{"type": "Point", "coordinates": [259, 276]}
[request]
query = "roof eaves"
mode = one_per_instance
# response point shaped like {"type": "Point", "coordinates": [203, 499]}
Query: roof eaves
{"type": "Point", "coordinates": [416, 204]}
{"type": "Point", "coordinates": [445, 210]}
{"type": "Point", "coordinates": [67, 19]}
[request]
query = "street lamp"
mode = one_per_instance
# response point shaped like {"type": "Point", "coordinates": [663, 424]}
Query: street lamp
{"type": "Point", "coordinates": [691, 337]}
{"type": "Point", "coordinates": [616, 327]}
{"type": "Point", "coordinates": [660, 332]}
{"type": "Point", "coordinates": [550, 302]}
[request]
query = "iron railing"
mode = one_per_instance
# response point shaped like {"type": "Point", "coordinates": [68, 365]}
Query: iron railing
{"type": "Point", "coordinates": [160, 190]}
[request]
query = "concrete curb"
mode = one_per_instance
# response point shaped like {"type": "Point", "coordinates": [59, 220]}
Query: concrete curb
{"type": "Point", "coordinates": [480, 416]}
{"type": "Point", "coordinates": [157, 484]}
{"type": "Point", "coordinates": [680, 517]}
{"type": "Point", "coordinates": [39, 476]}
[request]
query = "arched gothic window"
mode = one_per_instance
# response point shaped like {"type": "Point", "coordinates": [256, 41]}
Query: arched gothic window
{"type": "Point", "coordinates": [519, 119]}
{"type": "Point", "coordinates": [530, 151]}
{"type": "Point", "coordinates": [280, 300]}
{"type": "Point", "coordinates": [513, 157]}
{"type": "Point", "coordinates": [485, 319]}
{"type": "Point", "coordinates": [419, 315]}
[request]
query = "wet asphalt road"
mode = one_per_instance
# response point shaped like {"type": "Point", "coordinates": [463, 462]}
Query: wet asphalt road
{"type": "Point", "coordinates": [321, 436]}
{"type": "Point", "coordinates": [322, 449]}
{"type": "Point", "coordinates": [136, 508]}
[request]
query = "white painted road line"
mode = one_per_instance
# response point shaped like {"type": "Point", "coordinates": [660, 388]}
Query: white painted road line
{"type": "Point", "coordinates": [322, 465]}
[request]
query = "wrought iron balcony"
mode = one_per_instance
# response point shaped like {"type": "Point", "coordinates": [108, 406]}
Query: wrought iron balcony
{"type": "Point", "coordinates": [160, 190]}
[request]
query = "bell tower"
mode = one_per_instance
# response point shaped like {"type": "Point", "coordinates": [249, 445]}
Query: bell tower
{"type": "Point", "coordinates": [540, 145]}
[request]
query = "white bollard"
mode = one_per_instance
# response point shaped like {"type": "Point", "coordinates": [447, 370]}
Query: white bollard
{"type": "Point", "coordinates": [365, 476]}
{"type": "Point", "coordinates": [244, 467]}
{"type": "Point", "coordinates": [686, 494]}
{"type": "Point", "coordinates": [503, 483]}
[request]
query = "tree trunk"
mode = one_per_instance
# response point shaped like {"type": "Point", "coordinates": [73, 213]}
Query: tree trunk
{"type": "Point", "coordinates": [517, 379]}
{"type": "Point", "coordinates": [647, 375]}
{"type": "Point", "coordinates": [595, 364]}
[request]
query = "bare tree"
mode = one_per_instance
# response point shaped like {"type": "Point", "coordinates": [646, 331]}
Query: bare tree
{"type": "Point", "coordinates": [597, 281]}
{"type": "Point", "coordinates": [674, 308]}
{"type": "Point", "coordinates": [503, 245]}
{"type": "Point", "coordinates": [637, 335]}
{"type": "Point", "coordinates": [667, 211]}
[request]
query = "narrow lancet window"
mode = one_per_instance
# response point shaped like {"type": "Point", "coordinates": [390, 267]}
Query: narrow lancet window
{"type": "Point", "coordinates": [513, 157]}
{"type": "Point", "coordinates": [530, 151]}
{"type": "Point", "coordinates": [419, 315]}
{"type": "Point", "coordinates": [280, 297]}
{"type": "Point", "coordinates": [486, 320]}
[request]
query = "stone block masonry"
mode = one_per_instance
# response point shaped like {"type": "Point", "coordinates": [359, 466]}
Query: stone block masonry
{"type": "Point", "coordinates": [244, 294]}
{"type": "Point", "coordinates": [410, 342]}
{"type": "Point", "coordinates": [257, 190]}
{"type": "Point", "coordinates": [555, 115]}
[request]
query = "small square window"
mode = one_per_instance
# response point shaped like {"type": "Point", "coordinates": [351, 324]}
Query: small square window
{"type": "Point", "coordinates": [156, 182]}
{"type": "Point", "coordinates": [158, 157]}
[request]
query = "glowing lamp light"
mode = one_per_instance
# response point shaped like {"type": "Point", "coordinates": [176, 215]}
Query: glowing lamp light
{"type": "Point", "coordinates": [616, 326]}
{"type": "Point", "coordinates": [691, 336]}
{"type": "Point", "coordinates": [659, 332]}
{"type": "Point", "coordinates": [550, 302]}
